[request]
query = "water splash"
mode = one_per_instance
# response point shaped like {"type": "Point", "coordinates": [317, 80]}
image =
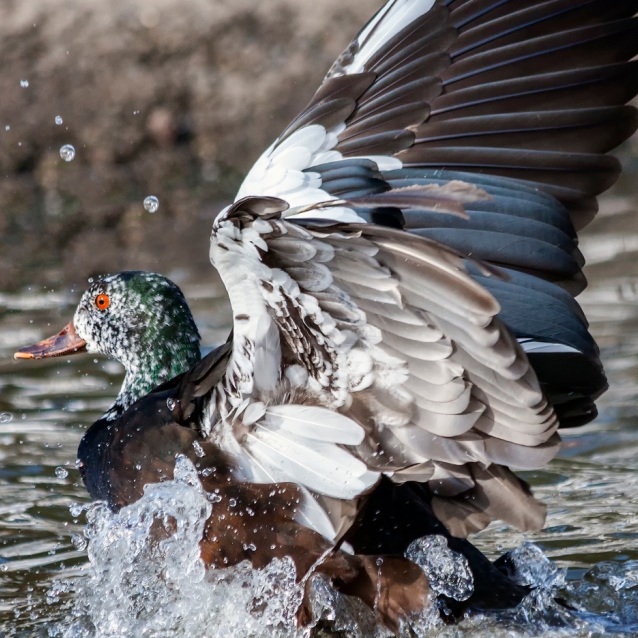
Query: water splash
{"type": "Point", "coordinates": [448, 573]}
{"type": "Point", "coordinates": [146, 578]}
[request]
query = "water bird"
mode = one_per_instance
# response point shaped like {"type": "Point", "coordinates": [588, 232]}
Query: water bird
{"type": "Point", "coordinates": [402, 265]}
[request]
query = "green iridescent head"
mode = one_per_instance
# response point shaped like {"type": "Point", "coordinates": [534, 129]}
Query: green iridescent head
{"type": "Point", "coordinates": [142, 320]}
{"type": "Point", "coordinates": [139, 318]}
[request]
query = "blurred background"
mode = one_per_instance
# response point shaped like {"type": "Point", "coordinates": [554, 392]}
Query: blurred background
{"type": "Point", "coordinates": [171, 98]}
{"type": "Point", "coordinates": [176, 99]}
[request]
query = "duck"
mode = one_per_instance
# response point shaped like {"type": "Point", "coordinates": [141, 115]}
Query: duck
{"type": "Point", "coordinates": [402, 266]}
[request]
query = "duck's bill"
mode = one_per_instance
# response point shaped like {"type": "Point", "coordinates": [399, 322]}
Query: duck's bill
{"type": "Point", "coordinates": [63, 344]}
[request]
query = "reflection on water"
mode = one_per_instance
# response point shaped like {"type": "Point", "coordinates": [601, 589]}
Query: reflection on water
{"type": "Point", "coordinates": [591, 489]}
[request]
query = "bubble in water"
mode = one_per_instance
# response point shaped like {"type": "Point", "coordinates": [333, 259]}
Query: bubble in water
{"type": "Point", "coordinates": [67, 153]}
{"type": "Point", "coordinates": [79, 542]}
{"type": "Point", "coordinates": [6, 417]}
{"type": "Point", "coordinates": [448, 573]}
{"type": "Point", "coordinates": [171, 404]}
{"type": "Point", "coordinates": [151, 204]}
{"type": "Point", "coordinates": [24, 83]}
{"type": "Point", "coordinates": [58, 120]}
{"type": "Point", "coordinates": [61, 473]}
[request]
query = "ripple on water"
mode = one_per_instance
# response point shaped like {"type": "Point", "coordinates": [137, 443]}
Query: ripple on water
{"type": "Point", "coordinates": [591, 491]}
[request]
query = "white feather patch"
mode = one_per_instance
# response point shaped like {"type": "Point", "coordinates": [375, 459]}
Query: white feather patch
{"type": "Point", "coordinates": [391, 19]}
{"type": "Point", "coordinates": [267, 364]}
{"type": "Point", "coordinates": [316, 423]}
{"type": "Point", "coordinates": [322, 467]}
{"type": "Point", "coordinates": [313, 516]}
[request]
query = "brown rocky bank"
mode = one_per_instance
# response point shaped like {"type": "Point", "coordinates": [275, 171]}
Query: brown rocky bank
{"type": "Point", "coordinates": [174, 98]}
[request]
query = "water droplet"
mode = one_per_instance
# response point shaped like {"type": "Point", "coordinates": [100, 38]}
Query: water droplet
{"type": "Point", "coordinates": [138, 467]}
{"type": "Point", "coordinates": [24, 83]}
{"type": "Point", "coordinates": [76, 509]}
{"type": "Point", "coordinates": [379, 562]}
{"type": "Point", "coordinates": [79, 542]}
{"type": "Point", "coordinates": [58, 120]}
{"type": "Point", "coordinates": [6, 417]}
{"type": "Point", "coordinates": [233, 502]}
{"type": "Point", "coordinates": [207, 472]}
{"type": "Point", "coordinates": [61, 473]}
{"type": "Point", "coordinates": [7, 128]}
{"type": "Point", "coordinates": [170, 404]}
{"type": "Point", "coordinates": [24, 416]}
{"type": "Point", "coordinates": [151, 204]}
{"type": "Point", "coordinates": [67, 153]}
{"type": "Point", "coordinates": [78, 464]}
{"type": "Point", "coordinates": [199, 450]}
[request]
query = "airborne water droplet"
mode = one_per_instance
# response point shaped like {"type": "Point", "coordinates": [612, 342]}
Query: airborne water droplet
{"type": "Point", "coordinates": [76, 509]}
{"type": "Point", "coordinates": [199, 450]}
{"type": "Point", "coordinates": [6, 417]}
{"type": "Point", "coordinates": [67, 153]}
{"type": "Point", "coordinates": [58, 120]}
{"type": "Point", "coordinates": [24, 83]}
{"type": "Point", "coordinates": [61, 473]}
{"type": "Point", "coordinates": [151, 204]}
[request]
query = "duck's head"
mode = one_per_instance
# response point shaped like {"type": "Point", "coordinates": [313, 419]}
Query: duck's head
{"type": "Point", "coordinates": [139, 318]}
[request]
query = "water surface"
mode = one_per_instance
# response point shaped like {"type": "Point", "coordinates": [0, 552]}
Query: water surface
{"type": "Point", "coordinates": [591, 489]}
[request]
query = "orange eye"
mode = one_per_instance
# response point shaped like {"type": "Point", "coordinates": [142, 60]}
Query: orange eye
{"type": "Point", "coordinates": [102, 302]}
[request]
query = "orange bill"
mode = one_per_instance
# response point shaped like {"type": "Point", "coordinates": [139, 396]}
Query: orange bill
{"type": "Point", "coordinates": [64, 343]}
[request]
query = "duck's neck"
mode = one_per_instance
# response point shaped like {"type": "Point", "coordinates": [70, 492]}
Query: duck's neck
{"type": "Point", "coordinates": [150, 365]}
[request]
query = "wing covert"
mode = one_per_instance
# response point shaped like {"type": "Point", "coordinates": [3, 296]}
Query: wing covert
{"type": "Point", "coordinates": [521, 98]}
{"type": "Point", "coordinates": [383, 356]}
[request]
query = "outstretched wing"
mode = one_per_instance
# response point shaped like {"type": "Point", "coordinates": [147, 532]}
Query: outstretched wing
{"type": "Point", "coordinates": [360, 349]}
{"type": "Point", "coordinates": [522, 98]}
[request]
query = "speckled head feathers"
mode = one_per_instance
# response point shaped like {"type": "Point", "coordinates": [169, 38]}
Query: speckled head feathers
{"type": "Point", "coordinates": [142, 320]}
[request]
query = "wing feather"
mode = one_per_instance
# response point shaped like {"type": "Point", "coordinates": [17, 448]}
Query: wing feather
{"type": "Point", "coordinates": [394, 334]}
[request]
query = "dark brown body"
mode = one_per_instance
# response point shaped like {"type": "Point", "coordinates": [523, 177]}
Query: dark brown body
{"type": "Point", "coordinates": [249, 521]}
{"type": "Point", "coordinates": [256, 522]}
